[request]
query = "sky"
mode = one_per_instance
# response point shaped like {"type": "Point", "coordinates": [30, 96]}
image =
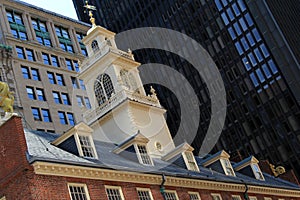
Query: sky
{"type": "Point", "coordinates": [64, 7]}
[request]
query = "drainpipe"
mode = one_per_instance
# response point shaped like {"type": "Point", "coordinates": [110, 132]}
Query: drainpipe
{"type": "Point", "coordinates": [246, 197]}
{"type": "Point", "coordinates": [162, 187]}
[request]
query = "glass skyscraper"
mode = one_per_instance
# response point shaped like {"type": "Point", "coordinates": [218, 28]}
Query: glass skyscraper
{"type": "Point", "coordinates": [255, 45]}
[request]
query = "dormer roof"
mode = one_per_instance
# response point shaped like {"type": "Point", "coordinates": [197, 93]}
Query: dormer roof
{"type": "Point", "coordinates": [177, 151]}
{"type": "Point", "coordinates": [137, 138]}
{"type": "Point", "coordinates": [245, 162]}
{"type": "Point", "coordinates": [215, 157]}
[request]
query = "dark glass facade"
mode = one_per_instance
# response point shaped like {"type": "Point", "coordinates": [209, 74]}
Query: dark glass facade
{"type": "Point", "coordinates": [254, 53]}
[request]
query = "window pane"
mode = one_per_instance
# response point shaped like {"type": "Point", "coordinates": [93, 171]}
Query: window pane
{"type": "Point", "coordinates": [264, 50]}
{"type": "Point", "coordinates": [243, 24]}
{"type": "Point", "coordinates": [62, 117]}
{"type": "Point", "coordinates": [237, 28]}
{"type": "Point", "coordinates": [60, 79]}
{"type": "Point", "coordinates": [25, 72]}
{"type": "Point", "coordinates": [40, 94]}
{"type": "Point", "coordinates": [35, 74]}
{"type": "Point", "coordinates": [30, 93]}
{"type": "Point", "coordinates": [256, 35]}
{"type": "Point", "coordinates": [272, 66]}
{"type": "Point", "coordinates": [56, 97]}
{"type": "Point", "coordinates": [46, 115]}
{"type": "Point", "coordinates": [245, 44]}
{"type": "Point", "coordinates": [242, 5]}
{"type": "Point", "coordinates": [250, 39]}
{"type": "Point", "coordinates": [20, 52]}
{"type": "Point", "coordinates": [246, 63]}
{"type": "Point", "coordinates": [230, 14]}
{"type": "Point", "coordinates": [231, 32]}
{"type": "Point", "coordinates": [239, 48]}
{"type": "Point", "coordinates": [225, 19]}
{"type": "Point", "coordinates": [266, 71]}
{"type": "Point", "coordinates": [249, 19]}
{"type": "Point", "coordinates": [258, 55]}
{"type": "Point", "coordinates": [252, 59]}
{"type": "Point", "coordinates": [254, 79]}
{"type": "Point", "coordinates": [71, 119]}
{"type": "Point", "coordinates": [36, 114]}
{"type": "Point", "coordinates": [236, 9]}
{"type": "Point", "coordinates": [260, 75]}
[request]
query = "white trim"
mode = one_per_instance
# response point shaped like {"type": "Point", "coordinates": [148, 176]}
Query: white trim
{"type": "Point", "coordinates": [267, 198]}
{"type": "Point", "coordinates": [216, 195]}
{"type": "Point", "coordinates": [252, 198]}
{"type": "Point", "coordinates": [255, 174]}
{"type": "Point", "coordinates": [114, 188]}
{"type": "Point", "coordinates": [172, 191]}
{"type": "Point", "coordinates": [195, 193]}
{"type": "Point", "coordinates": [145, 189]}
{"type": "Point", "coordinates": [139, 155]}
{"type": "Point", "coordinates": [78, 185]}
{"type": "Point", "coordinates": [222, 161]}
{"type": "Point", "coordinates": [236, 196]}
{"type": "Point", "coordinates": [187, 163]}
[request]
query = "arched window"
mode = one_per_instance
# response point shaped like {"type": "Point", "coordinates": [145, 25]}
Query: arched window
{"type": "Point", "coordinates": [95, 46]}
{"type": "Point", "coordinates": [103, 88]}
{"type": "Point", "coordinates": [128, 80]}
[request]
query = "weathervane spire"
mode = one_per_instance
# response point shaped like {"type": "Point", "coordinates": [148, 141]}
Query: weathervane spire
{"type": "Point", "coordinates": [90, 9]}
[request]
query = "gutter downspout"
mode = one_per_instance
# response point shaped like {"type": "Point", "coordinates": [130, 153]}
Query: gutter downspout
{"type": "Point", "coordinates": [246, 197]}
{"type": "Point", "coordinates": [162, 187]}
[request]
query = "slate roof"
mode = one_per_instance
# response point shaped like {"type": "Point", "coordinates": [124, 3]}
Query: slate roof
{"type": "Point", "coordinates": [40, 149]}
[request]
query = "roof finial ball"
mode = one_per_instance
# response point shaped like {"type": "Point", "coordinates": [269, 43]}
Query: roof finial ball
{"type": "Point", "coordinates": [90, 8]}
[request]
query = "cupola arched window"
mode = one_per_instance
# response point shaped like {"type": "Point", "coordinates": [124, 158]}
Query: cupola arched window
{"type": "Point", "coordinates": [128, 80]}
{"type": "Point", "coordinates": [95, 46]}
{"type": "Point", "coordinates": [104, 88]}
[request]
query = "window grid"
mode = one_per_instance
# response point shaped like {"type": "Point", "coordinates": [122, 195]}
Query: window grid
{"type": "Point", "coordinates": [194, 196]}
{"type": "Point", "coordinates": [170, 195]}
{"type": "Point", "coordinates": [103, 88]}
{"type": "Point", "coordinates": [145, 158]}
{"type": "Point", "coordinates": [257, 172]}
{"type": "Point", "coordinates": [17, 27]}
{"type": "Point", "coordinates": [78, 192]}
{"type": "Point", "coordinates": [235, 197]}
{"type": "Point", "coordinates": [86, 146]}
{"type": "Point", "coordinates": [64, 39]}
{"type": "Point", "coordinates": [191, 161]}
{"type": "Point", "coordinates": [80, 36]}
{"type": "Point", "coordinates": [216, 196]}
{"type": "Point", "coordinates": [227, 167]}
{"type": "Point", "coordinates": [41, 32]}
{"type": "Point", "coordinates": [114, 193]}
{"type": "Point", "coordinates": [144, 194]}
{"type": "Point", "coordinates": [62, 117]}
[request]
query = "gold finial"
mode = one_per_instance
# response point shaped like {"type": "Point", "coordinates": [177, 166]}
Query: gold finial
{"type": "Point", "coordinates": [6, 98]}
{"type": "Point", "coordinates": [90, 8]}
{"type": "Point", "coordinates": [278, 170]}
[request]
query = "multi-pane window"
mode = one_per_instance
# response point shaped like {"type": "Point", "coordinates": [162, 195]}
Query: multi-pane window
{"type": "Point", "coordinates": [87, 103]}
{"type": "Point", "coordinates": [143, 154]}
{"type": "Point", "coordinates": [35, 94]}
{"type": "Point", "coordinates": [41, 114]}
{"type": "Point", "coordinates": [40, 94]}
{"type": "Point", "coordinates": [194, 196]}
{"type": "Point", "coordinates": [20, 52]}
{"type": "Point", "coordinates": [171, 195]}
{"type": "Point", "coordinates": [64, 39]}
{"type": "Point", "coordinates": [227, 167]}
{"type": "Point", "coordinates": [103, 88]}
{"type": "Point", "coordinates": [78, 192]}
{"type": "Point", "coordinates": [86, 146]}
{"type": "Point", "coordinates": [144, 194]}
{"type": "Point", "coordinates": [236, 197]}
{"type": "Point", "coordinates": [30, 93]}
{"type": "Point", "coordinates": [66, 118]}
{"type": "Point", "coordinates": [79, 101]}
{"type": "Point", "coordinates": [46, 58]}
{"type": "Point", "coordinates": [56, 97]}
{"type": "Point", "coordinates": [82, 47]}
{"type": "Point", "coordinates": [216, 196]}
{"type": "Point", "coordinates": [17, 27]}
{"type": "Point", "coordinates": [30, 73]}
{"type": "Point", "coordinates": [190, 161]}
{"type": "Point", "coordinates": [114, 193]}
{"type": "Point", "coordinates": [56, 78]}
{"type": "Point", "coordinates": [65, 99]}
{"type": "Point", "coordinates": [54, 61]}
{"type": "Point", "coordinates": [62, 98]}
{"type": "Point", "coordinates": [30, 55]}
{"type": "Point", "coordinates": [72, 65]}
{"type": "Point", "coordinates": [41, 32]}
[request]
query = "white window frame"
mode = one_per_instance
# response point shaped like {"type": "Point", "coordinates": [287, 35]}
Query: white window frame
{"type": "Point", "coordinates": [223, 163]}
{"type": "Point", "coordinates": [236, 196]}
{"type": "Point", "coordinates": [267, 198]}
{"type": "Point", "coordinates": [187, 161]}
{"type": "Point", "coordinates": [140, 156]}
{"type": "Point", "coordinates": [213, 195]}
{"type": "Point", "coordinates": [172, 191]}
{"type": "Point", "coordinates": [114, 188]}
{"type": "Point", "coordinates": [195, 193]}
{"type": "Point", "coordinates": [79, 147]}
{"type": "Point", "coordinates": [79, 185]}
{"type": "Point", "coordinates": [252, 198]}
{"type": "Point", "coordinates": [254, 172]}
{"type": "Point", "coordinates": [145, 190]}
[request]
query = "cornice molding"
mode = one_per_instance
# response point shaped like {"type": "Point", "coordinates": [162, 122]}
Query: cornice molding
{"type": "Point", "coordinates": [54, 169]}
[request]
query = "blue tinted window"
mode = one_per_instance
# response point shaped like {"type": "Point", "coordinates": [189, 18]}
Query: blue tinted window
{"type": "Point", "coordinates": [62, 117]}
{"type": "Point", "coordinates": [252, 59]}
{"type": "Point", "coordinates": [46, 59]}
{"type": "Point", "coordinates": [249, 19]}
{"type": "Point", "coordinates": [256, 34]}
{"type": "Point", "coordinates": [20, 52]}
{"type": "Point", "coordinates": [87, 103]}
{"type": "Point", "coordinates": [266, 71]}
{"type": "Point", "coordinates": [71, 119]}
{"type": "Point", "coordinates": [230, 14]}
{"type": "Point", "coordinates": [51, 78]}
{"type": "Point", "coordinates": [254, 79]}
{"type": "Point", "coordinates": [65, 99]}
{"type": "Point", "coordinates": [46, 115]}
{"type": "Point", "coordinates": [237, 28]}
{"type": "Point", "coordinates": [60, 79]}
{"type": "Point", "coordinates": [36, 114]}
{"type": "Point", "coordinates": [236, 9]}
{"type": "Point", "coordinates": [258, 54]}
{"type": "Point", "coordinates": [76, 65]}
{"type": "Point", "coordinates": [224, 2]}
{"type": "Point", "coordinates": [218, 3]}
{"type": "Point", "coordinates": [56, 97]}
{"type": "Point", "coordinates": [250, 39]}
{"type": "Point", "coordinates": [272, 66]}
{"type": "Point", "coordinates": [243, 24]}
{"type": "Point", "coordinates": [82, 86]}
{"type": "Point", "coordinates": [242, 5]}
{"type": "Point", "coordinates": [231, 32]}
{"type": "Point", "coordinates": [264, 50]}
{"type": "Point", "coordinates": [239, 48]}
{"type": "Point", "coordinates": [25, 72]}
{"type": "Point", "coordinates": [30, 93]}
{"type": "Point", "coordinates": [35, 74]}
{"type": "Point", "coordinates": [40, 95]}
{"type": "Point", "coordinates": [260, 75]}
{"type": "Point", "coordinates": [246, 64]}
{"type": "Point", "coordinates": [225, 19]}
{"type": "Point", "coordinates": [245, 44]}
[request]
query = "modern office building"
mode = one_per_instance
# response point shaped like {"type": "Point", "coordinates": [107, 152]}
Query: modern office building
{"type": "Point", "coordinates": [40, 52]}
{"type": "Point", "coordinates": [255, 45]}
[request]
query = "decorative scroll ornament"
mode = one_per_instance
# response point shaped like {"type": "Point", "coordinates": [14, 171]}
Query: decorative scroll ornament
{"type": "Point", "coordinates": [278, 170]}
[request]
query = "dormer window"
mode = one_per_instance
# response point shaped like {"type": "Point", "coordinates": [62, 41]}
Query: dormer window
{"type": "Point", "coordinates": [95, 46]}
{"type": "Point", "coordinates": [190, 161]}
{"type": "Point", "coordinates": [86, 146]}
{"type": "Point", "coordinates": [258, 174]}
{"type": "Point", "coordinates": [104, 88]}
{"type": "Point", "coordinates": [227, 167]}
{"type": "Point", "coordinates": [144, 157]}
